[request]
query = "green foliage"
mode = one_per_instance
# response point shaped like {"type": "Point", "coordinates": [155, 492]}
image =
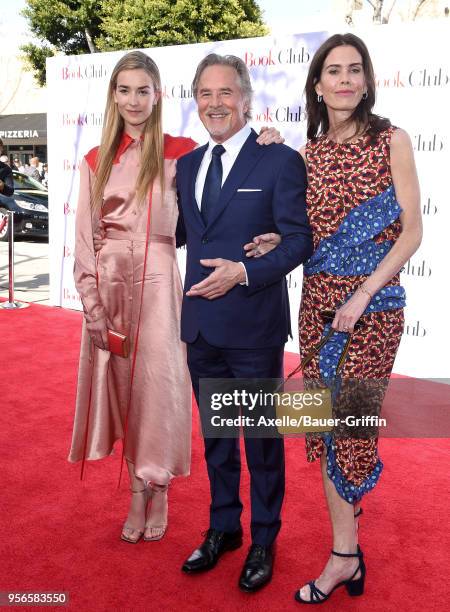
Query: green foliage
{"type": "Point", "coordinates": [66, 26]}
{"type": "Point", "coordinates": [35, 60]}
{"type": "Point", "coordinates": [83, 26]}
{"type": "Point", "coordinates": [154, 23]}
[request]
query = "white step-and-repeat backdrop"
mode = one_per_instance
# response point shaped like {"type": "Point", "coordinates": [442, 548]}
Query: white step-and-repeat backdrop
{"type": "Point", "coordinates": [412, 72]}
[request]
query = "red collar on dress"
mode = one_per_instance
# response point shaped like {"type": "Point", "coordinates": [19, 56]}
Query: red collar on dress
{"type": "Point", "coordinates": [124, 143]}
{"type": "Point", "coordinates": [174, 147]}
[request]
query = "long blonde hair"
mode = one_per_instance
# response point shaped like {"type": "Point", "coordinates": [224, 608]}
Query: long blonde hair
{"type": "Point", "coordinates": [152, 159]}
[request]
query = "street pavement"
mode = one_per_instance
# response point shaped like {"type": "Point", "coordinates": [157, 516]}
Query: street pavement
{"type": "Point", "coordinates": [31, 270]}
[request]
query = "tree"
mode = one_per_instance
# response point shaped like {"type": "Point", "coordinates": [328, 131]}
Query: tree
{"type": "Point", "coordinates": [85, 26]}
{"type": "Point", "coordinates": [68, 26]}
{"type": "Point", "coordinates": [152, 23]}
{"type": "Point", "coordinates": [382, 10]}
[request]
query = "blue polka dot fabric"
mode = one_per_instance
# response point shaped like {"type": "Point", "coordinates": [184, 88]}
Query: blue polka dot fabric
{"type": "Point", "coordinates": [328, 360]}
{"type": "Point", "coordinates": [330, 353]}
{"type": "Point", "coordinates": [387, 298]}
{"type": "Point", "coordinates": [348, 491]}
{"type": "Point", "coordinates": [351, 250]}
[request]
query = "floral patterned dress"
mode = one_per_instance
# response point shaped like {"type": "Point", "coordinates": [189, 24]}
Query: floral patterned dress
{"type": "Point", "coordinates": [354, 216]}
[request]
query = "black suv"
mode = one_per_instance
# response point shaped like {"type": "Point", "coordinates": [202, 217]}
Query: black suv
{"type": "Point", "coordinates": [30, 205]}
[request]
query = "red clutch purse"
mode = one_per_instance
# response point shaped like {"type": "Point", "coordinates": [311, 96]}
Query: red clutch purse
{"type": "Point", "coordinates": [118, 343]}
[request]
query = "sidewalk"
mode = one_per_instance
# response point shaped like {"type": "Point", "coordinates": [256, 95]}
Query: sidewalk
{"type": "Point", "coordinates": [31, 271]}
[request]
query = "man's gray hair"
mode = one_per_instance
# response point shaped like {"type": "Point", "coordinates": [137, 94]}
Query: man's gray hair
{"type": "Point", "coordinates": [214, 59]}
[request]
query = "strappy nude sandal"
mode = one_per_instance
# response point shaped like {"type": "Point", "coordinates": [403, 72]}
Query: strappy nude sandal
{"type": "Point", "coordinates": [136, 534]}
{"type": "Point", "coordinates": [156, 531]}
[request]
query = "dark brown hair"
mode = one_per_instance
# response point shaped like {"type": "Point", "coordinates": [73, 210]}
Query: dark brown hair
{"type": "Point", "coordinates": [362, 116]}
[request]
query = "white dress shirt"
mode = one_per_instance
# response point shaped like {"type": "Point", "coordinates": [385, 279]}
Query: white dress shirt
{"type": "Point", "coordinates": [232, 147]}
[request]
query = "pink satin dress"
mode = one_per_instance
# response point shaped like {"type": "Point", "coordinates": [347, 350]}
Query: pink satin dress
{"type": "Point", "coordinates": [158, 402]}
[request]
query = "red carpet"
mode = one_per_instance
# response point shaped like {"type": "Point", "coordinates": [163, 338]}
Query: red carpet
{"type": "Point", "coordinates": [60, 534]}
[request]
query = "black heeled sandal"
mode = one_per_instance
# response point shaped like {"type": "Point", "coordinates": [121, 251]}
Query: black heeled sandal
{"type": "Point", "coordinates": [354, 587]}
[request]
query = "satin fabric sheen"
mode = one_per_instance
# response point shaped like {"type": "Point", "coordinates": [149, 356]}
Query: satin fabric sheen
{"type": "Point", "coordinates": [159, 421]}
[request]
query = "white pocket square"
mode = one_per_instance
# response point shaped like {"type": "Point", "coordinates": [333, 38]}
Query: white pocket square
{"type": "Point", "coordinates": [247, 190]}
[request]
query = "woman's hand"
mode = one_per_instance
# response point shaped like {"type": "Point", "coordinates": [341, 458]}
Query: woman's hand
{"type": "Point", "coordinates": [98, 333]}
{"type": "Point", "coordinates": [347, 315]}
{"type": "Point", "coordinates": [269, 136]}
{"type": "Point", "coordinates": [99, 237]}
{"type": "Point", "coordinates": [262, 244]}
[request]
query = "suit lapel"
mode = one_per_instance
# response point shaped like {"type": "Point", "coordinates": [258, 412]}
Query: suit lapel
{"type": "Point", "coordinates": [248, 156]}
{"type": "Point", "coordinates": [197, 157]}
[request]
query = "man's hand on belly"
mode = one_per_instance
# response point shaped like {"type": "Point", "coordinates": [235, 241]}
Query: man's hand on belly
{"type": "Point", "coordinates": [226, 275]}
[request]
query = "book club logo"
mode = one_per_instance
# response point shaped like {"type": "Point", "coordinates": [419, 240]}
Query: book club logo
{"type": "Point", "coordinates": [429, 208]}
{"type": "Point", "coordinates": [84, 73]}
{"type": "Point", "coordinates": [423, 77]}
{"type": "Point", "coordinates": [281, 114]}
{"type": "Point", "coordinates": [418, 269]}
{"type": "Point", "coordinates": [274, 57]}
{"type": "Point", "coordinates": [425, 143]}
{"type": "Point", "coordinates": [82, 120]}
{"type": "Point", "coordinates": [415, 329]}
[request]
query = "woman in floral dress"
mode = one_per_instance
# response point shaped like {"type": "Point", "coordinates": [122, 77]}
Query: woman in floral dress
{"type": "Point", "coordinates": [363, 206]}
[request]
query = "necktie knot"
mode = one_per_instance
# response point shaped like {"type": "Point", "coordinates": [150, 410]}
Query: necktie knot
{"type": "Point", "coordinates": [218, 150]}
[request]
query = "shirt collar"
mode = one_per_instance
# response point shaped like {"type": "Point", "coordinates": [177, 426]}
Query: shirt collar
{"type": "Point", "coordinates": [233, 144]}
{"type": "Point", "coordinates": [125, 141]}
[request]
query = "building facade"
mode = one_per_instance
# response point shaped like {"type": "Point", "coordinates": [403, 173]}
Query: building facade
{"type": "Point", "coordinates": [23, 108]}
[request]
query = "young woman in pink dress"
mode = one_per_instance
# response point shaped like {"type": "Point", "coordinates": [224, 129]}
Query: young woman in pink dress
{"type": "Point", "coordinates": [127, 192]}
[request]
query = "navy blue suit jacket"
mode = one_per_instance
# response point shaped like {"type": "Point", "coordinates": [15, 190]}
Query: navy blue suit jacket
{"type": "Point", "coordinates": [257, 315]}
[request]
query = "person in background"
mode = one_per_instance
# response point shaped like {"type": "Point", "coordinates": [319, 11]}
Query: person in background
{"type": "Point", "coordinates": [44, 175]}
{"type": "Point", "coordinates": [6, 176]}
{"type": "Point", "coordinates": [363, 203]}
{"type": "Point", "coordinates": [33, 171]}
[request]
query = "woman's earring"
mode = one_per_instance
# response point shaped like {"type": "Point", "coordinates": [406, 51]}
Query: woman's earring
{"type": "Point", "coordinates": [319, 98]}
{"type": "Point", "coordinates": [365, 95]}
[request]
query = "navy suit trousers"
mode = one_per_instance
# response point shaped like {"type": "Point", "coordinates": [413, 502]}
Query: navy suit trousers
{"type": "Point", "coordinates": [265, 456]}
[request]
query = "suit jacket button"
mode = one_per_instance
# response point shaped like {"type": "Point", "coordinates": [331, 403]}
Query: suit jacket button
{"type": "Point", "coordinates": [205, 240]}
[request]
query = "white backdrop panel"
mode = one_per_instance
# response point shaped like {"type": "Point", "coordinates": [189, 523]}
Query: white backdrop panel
{"type": "Point", "coordinates": [412, 75]}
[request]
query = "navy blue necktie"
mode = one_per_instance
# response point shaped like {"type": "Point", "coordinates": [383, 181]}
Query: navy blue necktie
{"type": "Point", "coordinates": [213, 183]}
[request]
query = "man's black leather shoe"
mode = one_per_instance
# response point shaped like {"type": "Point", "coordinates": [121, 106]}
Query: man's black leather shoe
{"type": "Point", "coordinates": [215, 544]}
{"type": "Point", "coordinates": [257, 570]}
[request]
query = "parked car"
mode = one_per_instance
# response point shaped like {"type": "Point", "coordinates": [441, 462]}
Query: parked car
{"type": "Point", "coordinates": [30, 205]}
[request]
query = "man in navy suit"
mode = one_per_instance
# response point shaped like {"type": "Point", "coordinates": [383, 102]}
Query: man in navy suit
{"type": "Point", "coordinates": [235, 316]}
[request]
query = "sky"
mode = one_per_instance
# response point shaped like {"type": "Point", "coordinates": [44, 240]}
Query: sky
{"type": "Point", "coordinates": [282, 16]}
{"type": "Point", "coordinates": [13, 26]}
{"type": "Point", "coordinates": [288, 16]}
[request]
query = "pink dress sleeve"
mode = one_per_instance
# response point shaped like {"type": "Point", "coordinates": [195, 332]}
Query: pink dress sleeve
{"type": "Point", "coordinates": [85, 269]}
